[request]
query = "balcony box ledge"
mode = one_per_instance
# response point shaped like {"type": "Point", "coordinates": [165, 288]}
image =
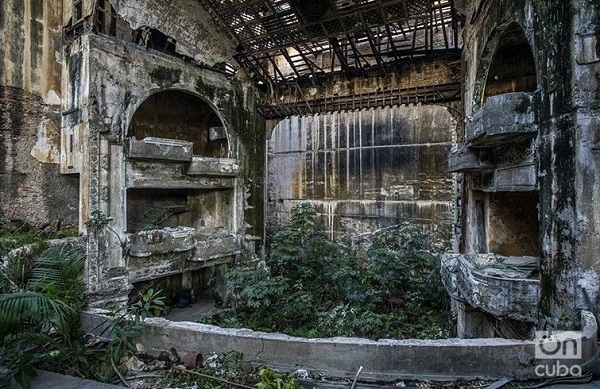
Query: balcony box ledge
{"type": "Point", "coordinates": [159, 241]}
{"type": "Point", "coordinates": [508, 117]}
{"type": "Point", "coordinates": [501, 286]}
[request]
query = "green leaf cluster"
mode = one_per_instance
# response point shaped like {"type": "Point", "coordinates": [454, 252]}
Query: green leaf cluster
{"type": "Point", "coordinates": [271, 379]}
{"type": "Point", "coordinates": [40, 300]}
{"type": "Point", "coordinates": [387, 286]}
{"type": "Point", "coordinates": [148, 302]}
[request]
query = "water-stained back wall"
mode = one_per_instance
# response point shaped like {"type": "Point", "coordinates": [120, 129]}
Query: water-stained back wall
{"type": "Point", "coordinates": [364, 170]}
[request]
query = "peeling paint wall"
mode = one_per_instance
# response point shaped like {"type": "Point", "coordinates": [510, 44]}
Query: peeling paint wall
{"type": "Point", "coordinates": [365, 170]}
{"type": "Point", "coordinates": [585, 62]}
{"type": "Point", "coordinates": [31, 189]}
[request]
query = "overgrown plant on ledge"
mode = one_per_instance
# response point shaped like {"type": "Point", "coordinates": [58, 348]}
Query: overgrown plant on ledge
{"type": "Point", "coordinates": [385, 287]}
{"type": "Point", "coordinates": [150, 303]}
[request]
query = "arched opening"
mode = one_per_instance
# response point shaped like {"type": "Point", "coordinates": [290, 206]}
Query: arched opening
{"type": "Point", "coordinates": [181, 195]}
{"type": "Point", "coordinates": [172, 183]}
{"type": "Point", "coordinates": [503, 204]}
{"type": "Point", "coordinates": [513, 65]}
{"type": "Point", "coordinates": [182, 116]}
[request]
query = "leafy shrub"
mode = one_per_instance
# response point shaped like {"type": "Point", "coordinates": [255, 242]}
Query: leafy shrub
{"type": "Point", "coordinates": [10, 240]}
{"type": "Point", "coordinates": [314, 287]}
{"type": "Point", "coordinates": [271, 379]}
{"type": "Point", "coordinates": [149, 302]}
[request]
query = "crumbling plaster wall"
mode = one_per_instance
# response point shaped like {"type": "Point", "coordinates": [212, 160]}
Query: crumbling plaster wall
{"type": "Point", "coordinates": [116, 77]}
{"type": "Point", "coordinates": [122, 75]}
{"type": "Point", "coordinates": [365, 170]}
{"type": "Point", "coordinates": [31, 189]}
{"type": "Point", "coordinates": [585, 63]}
{"type": "Point", "coordinates": [568, 133]}
{"type": "Point", "coordinates": [201, 38]}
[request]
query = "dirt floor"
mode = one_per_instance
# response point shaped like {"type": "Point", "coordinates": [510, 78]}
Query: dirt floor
{"type": "Point", "coordinates": [203, 306]}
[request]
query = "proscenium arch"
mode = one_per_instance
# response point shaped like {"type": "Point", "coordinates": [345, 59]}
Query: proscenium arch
{"type": "Point", "coordinates": [183, 115]}
{"type": "Point", "coordinates": [506, 64]}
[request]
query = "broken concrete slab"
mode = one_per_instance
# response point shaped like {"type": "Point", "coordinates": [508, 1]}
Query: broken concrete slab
{"type": "Point", "coordinates": [213, 167]}
{"type": "Point", "coordinates": [159, 241]}
{"type": "Point", "coordinates": [507, 295]}
{"type": "Point", "coordinates": [211, 248]}
{"type": "Point", "coordinates": [159, 148]}
{"type": "Point", "coordinates": [462, 158]}
{"type": "Point", "coordinates": [504, 117]}
{"type": "Point", "coordinates": [157, 265]}
{"type": "Point", "coordinates": [158, 175]}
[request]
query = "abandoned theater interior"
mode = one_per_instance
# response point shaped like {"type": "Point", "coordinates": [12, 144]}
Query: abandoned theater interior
{"type": "Point", "coordinates": [191, 129]}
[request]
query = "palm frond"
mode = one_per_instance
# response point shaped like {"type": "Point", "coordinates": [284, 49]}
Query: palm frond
{"type": "Point", "coordinates": [14, 272]}
{"type": "Point", "coordinates": [24, 310]}
{"type": "Point", "coordinates": [7, 284]}
{"type": "Point", "coordinates": [58, 271]}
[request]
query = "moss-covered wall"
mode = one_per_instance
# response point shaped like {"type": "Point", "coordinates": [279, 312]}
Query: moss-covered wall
{"type": "Point", "coordinates": [117, 80]}
{"type": "Point", "coordinates": [567, 165]}
{"type": "Point", "coordinates": [122, 76]}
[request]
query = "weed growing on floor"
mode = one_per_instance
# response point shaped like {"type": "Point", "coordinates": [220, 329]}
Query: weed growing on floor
{"type": "Point", "coordinates": [386, 287]}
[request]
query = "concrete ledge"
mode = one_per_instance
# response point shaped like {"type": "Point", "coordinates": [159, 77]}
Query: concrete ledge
{"type": "Point", "coordinates": [160, 241]}
{"type": "Point", "coordinates": [463, 159]}
{"type": "Point", "coordinates": [385, 359]}
{"type": "Point", "coordinates": [504, 117]}
{"type": "Point", "coordinates": [213, 167]}
{"type": "Point", "coordinates": [159, 148]}
{"type": "Point", "coordinates": [500, 295]}
{"type": "Point", "coordinates": [170, 175]}
{"type": "Point", "coordinates": [29, 250]}
{"type": "Point", "coordinates": [216, 247]}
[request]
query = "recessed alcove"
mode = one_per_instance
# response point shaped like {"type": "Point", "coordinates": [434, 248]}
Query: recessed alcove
{"type": "Point", "coordinates": [180, 185]}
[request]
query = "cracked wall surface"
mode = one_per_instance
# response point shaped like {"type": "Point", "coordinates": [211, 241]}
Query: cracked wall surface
{"type": "Point", "coordinates": [72, 80]}
{"type": "Point", "coordinates": [118, 78]}
{"type": "Point", "coordinates": [32, 193]}
{"type": "Point", "coordinates": [196, 33]}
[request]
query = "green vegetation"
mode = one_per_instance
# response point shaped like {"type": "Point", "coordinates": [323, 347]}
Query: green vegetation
{"type": "Point", "coordinates": [40, 299]}
{"type": "Point", "coordinates": [227, 371]}
{"type": "Point", "coordinates": [10, 240]}
{"type": "Point", "coordinates": [388, 287]}
{"type": "Point", "coordinates": [270, 379]}
{"type": "Point", "coordinates": [149, 303]}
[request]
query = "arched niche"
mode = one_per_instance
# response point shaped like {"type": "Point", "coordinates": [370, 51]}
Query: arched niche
{"type": "Point", "coordinates": [178, 178]}
{"type": "Point", "coordinates": [512, 68]}
{"type": "Point", "coordinates": [502, 205]}
{"type": "Point", "coordinates": [182, 116]}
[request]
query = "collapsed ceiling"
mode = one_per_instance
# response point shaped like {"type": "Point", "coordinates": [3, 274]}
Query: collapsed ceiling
{"type": "Point", "coordinates": [307, 41]}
